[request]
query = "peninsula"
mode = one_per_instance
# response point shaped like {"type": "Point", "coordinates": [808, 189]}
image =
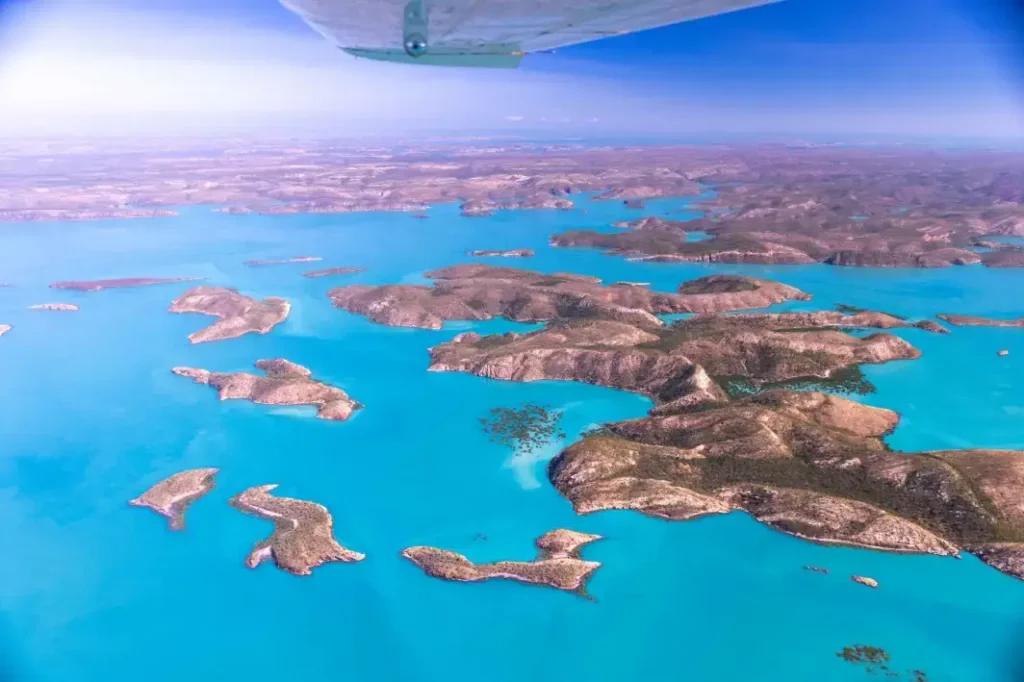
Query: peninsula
{"type": "Point", "coordinates": [808, 464]}
{"type": "Point", "coordinates": [973, 321]}
{"type": "Point", "coordinates": [303, 536]}
{"type": "Point", "coordinates": [285, 383]}
{"type": "Point", "coordinates": [238, 314]}
{"type": "Point", "coordinates": [100, 284]}
{"type": "Point", "coordinates": [482, 292]}
{"type": "Point", "coordinates": [284, 261]}
{"type": "Point", "coordinates": [558, 563]}
{"type": "Point", "coordinates": [172, 496]}
{"type": "Point", "coordinates": [328, 272]}
{"type": "Point", "coordinates": [65, 307]}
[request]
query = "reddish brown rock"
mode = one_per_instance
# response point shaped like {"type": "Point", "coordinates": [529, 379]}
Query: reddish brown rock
{"type": "Point", "coordinates": [285, 383]}
{"type": "Point", "coordinates": [557, 565]}
{"type": "Point", "coordinates": [303, 536]}
{"type": "Point", "coordinates": [99, 284]}
{"type": "Point", "coordinates": [238, 314]}
{"type": "Point", "coordinates": [172, 496]}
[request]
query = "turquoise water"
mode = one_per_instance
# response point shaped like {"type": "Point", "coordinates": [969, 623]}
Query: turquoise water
{"type": "Point", "coordinates": [91, 589]}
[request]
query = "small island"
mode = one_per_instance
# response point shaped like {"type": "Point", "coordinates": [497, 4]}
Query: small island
{"type": "Point", "coordinates": [558, 563]}
{"type": "Point", "coordinates": [172, 496]}
{"type": "Point", "coordinates": [285, 383]}
{"type": "Point", "coordinates": [974, 321]}
{"type": "Point", "coordinates": [100, 284]}
{"type": "Point", "coordinates": [283, 261]}
{"type": "Point", "coordinates": [238, 314]}
{"type": "Point", "coordinates": [330, 272]}
{"type": "Point", "coordinates": [482, 292]}
{"type": "Point", "coordinates": [511, 253]}
{"type": "Point", "coordinates": [303, 536]}
{"type": "Point", "coordinates": [4, 328]}
{"type": "Point", "coordinates": [64, 307]}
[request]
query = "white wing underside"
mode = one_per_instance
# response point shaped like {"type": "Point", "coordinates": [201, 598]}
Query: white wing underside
{"type": "Point", "coordinates": [475, 28]}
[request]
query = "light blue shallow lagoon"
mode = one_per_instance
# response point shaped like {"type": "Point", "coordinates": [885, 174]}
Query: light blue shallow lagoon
{"type": "Point", "coordinates": [92, 589]}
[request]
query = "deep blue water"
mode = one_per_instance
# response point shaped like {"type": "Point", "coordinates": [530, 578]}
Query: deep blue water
{"type": "Point", "coordinates": [92, 589]}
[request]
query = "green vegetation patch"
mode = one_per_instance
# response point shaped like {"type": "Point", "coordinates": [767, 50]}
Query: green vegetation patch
{"type": "Point", "coordinates": [524, 429]}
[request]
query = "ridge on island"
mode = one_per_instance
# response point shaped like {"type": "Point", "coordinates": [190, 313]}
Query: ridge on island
{"type": "Point", "coordinates": [303, 536]}
{"type": "Point", "coordinates": [482, 292]}
{"type": "Point", "coordinates": [558, 563]}
{"type": "Point", "coordinates": [808, 464]}
{"type": "Point", "coordinates": [327, 272]}
{"type": "Point", "coordinates": [100, 284]}
{"type": "Point", "coordinates": [65, 307]}
{"type": "Point", "coordinates": [285, 383]}
{"type": "Point", "coordinates": [677, 363]}
{"type": "Point", "coordinates": [172, 496]}
{"type": "Point", "coordinates": [975, 321]}
{"type": "Point", "coordinates": [238, 314]}
{"type": "Point", "coordinates": [283, 261]}
{"type": "Point", "coordinates": [511, 253]}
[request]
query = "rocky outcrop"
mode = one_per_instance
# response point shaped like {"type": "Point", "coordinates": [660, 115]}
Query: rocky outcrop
{"type": "Point", "coordinates": [284, 261]}
{"type": "Point", "coordinates": [975, 321]}
{"type": "Point", "coordinates": [62, 307]}
{"type": "Point", "coordinates": [172, 496]}
{"type": "Point", "coordinates": [303, 536]}
{"type": "Point", "coordinates": [808, 464]}
{"type": "Point", "coordinates": [100, 284]}
{"type": "Point", "coordinates": [329, 272]}
{"type": "Point", "coordinates": [285, 383]}
{"type": "Point", "coordinates": [238, 314]}
{"type": "Point", "coordinates": [481, 292]}
{"type": "Point", "coordinates": [558, 563]}
{"type": "Point", "coordinates": [511, 253]}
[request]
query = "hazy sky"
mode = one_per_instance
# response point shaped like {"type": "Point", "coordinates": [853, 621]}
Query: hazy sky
{"type": "Point", "coordinates": [863, 67]}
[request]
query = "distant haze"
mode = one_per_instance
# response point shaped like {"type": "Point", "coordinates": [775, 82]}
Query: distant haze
{"type": "Point", "coordinates": [148, 68]}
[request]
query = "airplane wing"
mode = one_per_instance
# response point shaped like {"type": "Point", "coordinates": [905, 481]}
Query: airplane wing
{"type": "Point", "coordinates": [488, 32]}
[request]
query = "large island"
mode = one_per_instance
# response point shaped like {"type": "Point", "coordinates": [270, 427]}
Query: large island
{"type": "Point", "coordinates": [482, 292]}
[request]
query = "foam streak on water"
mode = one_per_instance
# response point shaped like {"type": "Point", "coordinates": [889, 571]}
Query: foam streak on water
{"type": "Point", "coordinates": [92, 589]}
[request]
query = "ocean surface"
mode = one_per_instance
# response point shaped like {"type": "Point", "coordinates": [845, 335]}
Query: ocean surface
{"type": "Point", "coordinates": [92, 589]}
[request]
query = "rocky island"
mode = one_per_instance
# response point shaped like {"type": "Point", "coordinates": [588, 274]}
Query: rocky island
{"type": "Point", "coordinates": [974, 321]}
{"type": "Point", "coordinates": [679, 363]}
{"type": "Point", "coordinates": [238, 314]}
{"type": "Point", "coordinates": [283, 261]}
{"type": "Point", "coordinates": [303, 536]}
{"type": "Point", "coordinates": [482, 292]}
{"type": "Point", "coordinates": [558, 563]}
{"type": "Point", "coordinates": [329, 272]}
{"type": "Point", "coordinates": [172, 496]}
{"type": "Point", "coordinates": [100, 284]}
{"type": "Point", "coordinates": [808, 464]}
{"type": "Point", "coordinates": [63, 307]}
{"type": "Point", "coordinates": [511, 253]}
{"type": "Point", "coordinates": [285, 383]}
{"type": "Point", "coordinates": [4, 328]}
